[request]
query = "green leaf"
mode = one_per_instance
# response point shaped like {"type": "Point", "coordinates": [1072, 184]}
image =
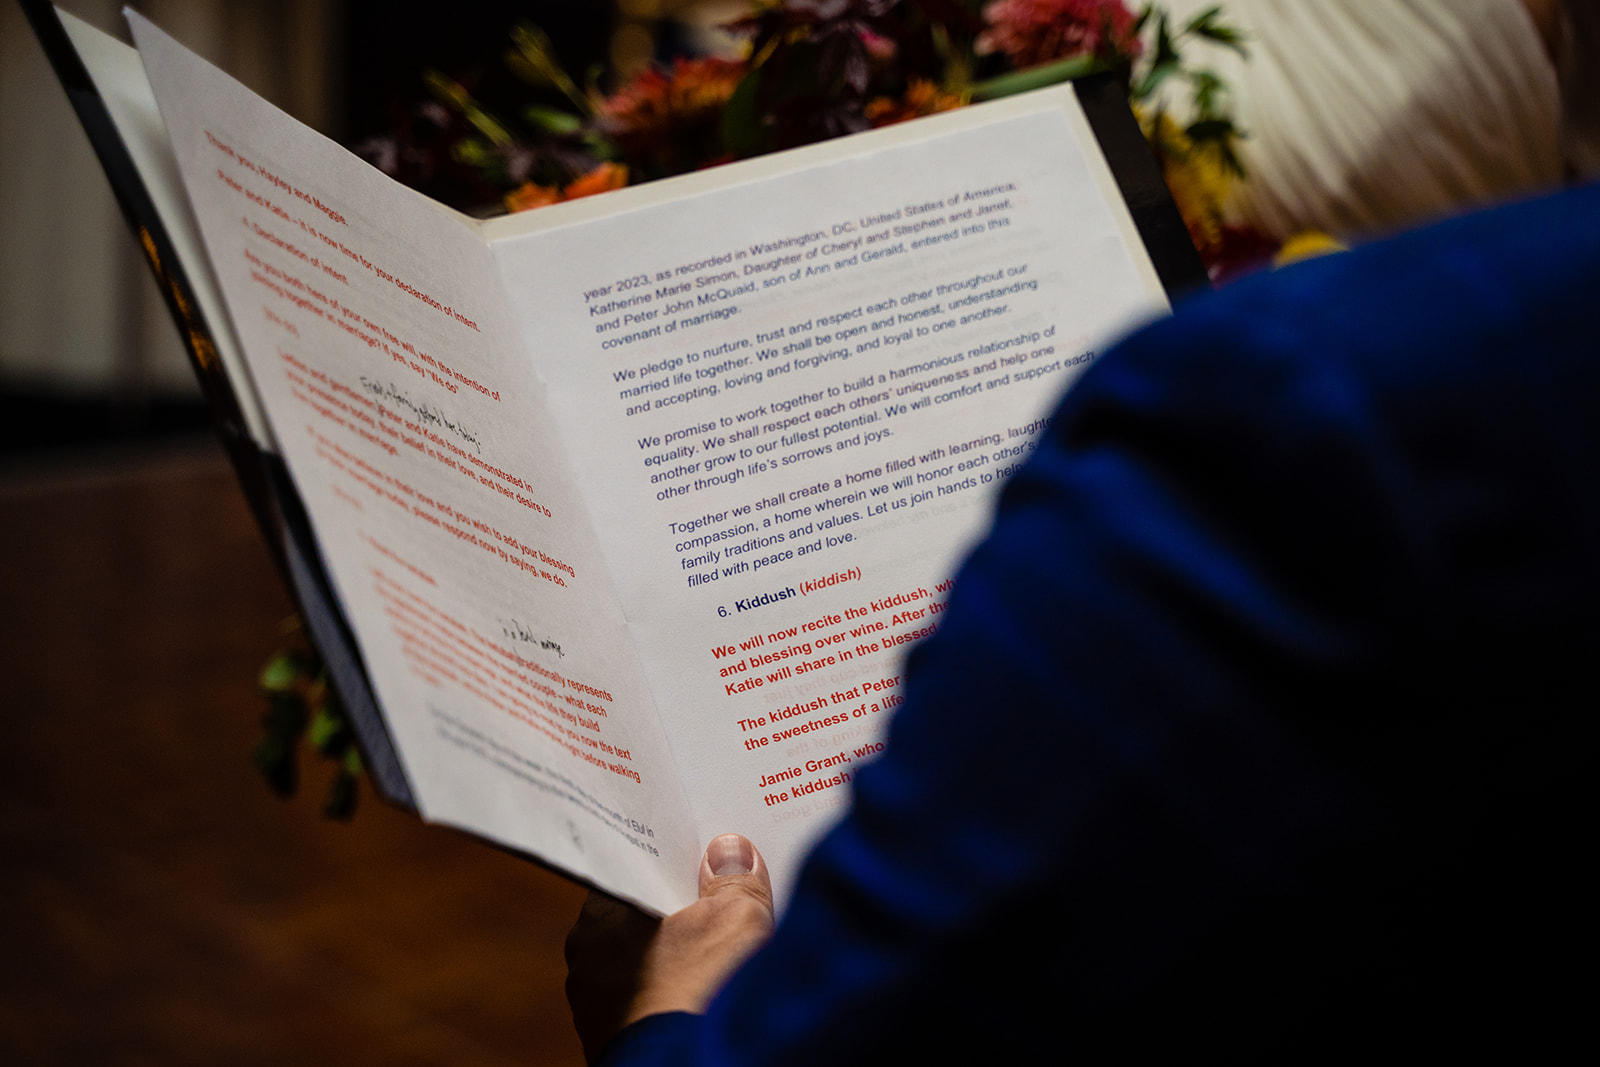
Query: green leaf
{"type": "Point", "coordinates": [285, 717]}
{"type": "Point", "coordinates": [451, 92]}
{"type": "Point", "coordinates": [328, 733]}
{"type": "Point", "coordinates": [1211, 130]}
{"type": "Point", "coordinates": [1037, 77]}
{"type": "Point", "coordinates": [1165, 63]}
{"type": "Point", "coordinates": [1166, 51]}
{"type": "Point", "coordinates": [281, 673]}
{"type": "Point", "coordinates": [1208, 87]}
{"type": "Point", "coordinates": [489, 126]}
{"type": "Point", "coordinates": [518, 64]}
{"type": "Point", "coordinates": [1226, 36]}
{"type": "Point", "coordinates": [1203, 19]}
{"type": "Point", "coordinates": [599, 145]}
{"type": "Point", "coordinates": [474, 153]}
{"type": "Point", "coordinates": [1154, 77]}
{"type": "Point", "coordinates": [446, 88]}
{"type": "Point", "coordinates": [957, 60]}
{"type": "Point", "coordinates": [302, 707]}
{"type": "Point", "coordinates": [274, 754]}
{"type": "Point", "coordinates": [552, 120]}
{"type": "Point", "coordinates": [277, 765]}
{"type": "Point", "coordinates": [535, 60]}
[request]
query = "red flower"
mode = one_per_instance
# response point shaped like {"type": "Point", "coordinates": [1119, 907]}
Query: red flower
{"type": "Point", "coordinates": [1031, 32]}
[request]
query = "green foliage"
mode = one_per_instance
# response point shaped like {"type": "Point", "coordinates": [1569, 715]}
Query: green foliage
{"type": "Point", "coordinates": [1213, 125]}
{"type": "Point", "coordinates": [1206, 24]}
{"type": "Point", "coordinates": [552, 120]}
{"type": "Point", "coordinates": [281, 672]}
{"type": "Point", "coordinates": [533, 58]}
{"type": "Point", "coordinates": [303, 708]}
{"type": "Point", "coordinates": [274, 754]}
{"type": "Point", "coordinates": [450, 92]}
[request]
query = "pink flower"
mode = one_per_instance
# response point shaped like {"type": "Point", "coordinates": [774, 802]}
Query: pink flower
{"type": "Point", "coordinates": [1031, 32]}
{"type": "Point", "coordinates": [880, 48]}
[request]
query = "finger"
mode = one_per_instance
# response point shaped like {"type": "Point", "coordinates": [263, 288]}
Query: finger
{"type": "Point", "coordinates": [733, 863]}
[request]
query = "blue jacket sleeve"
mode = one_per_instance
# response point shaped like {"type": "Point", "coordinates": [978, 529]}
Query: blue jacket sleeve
{"type": "Point", "coordinates": [1264, 691]}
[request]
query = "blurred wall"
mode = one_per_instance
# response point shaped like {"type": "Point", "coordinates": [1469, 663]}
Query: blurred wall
{"type": "Point", "coordinates": [80, 315]}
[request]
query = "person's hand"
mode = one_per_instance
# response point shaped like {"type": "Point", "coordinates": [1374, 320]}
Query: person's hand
{"type": "Point", "coordinates": [623, 965]}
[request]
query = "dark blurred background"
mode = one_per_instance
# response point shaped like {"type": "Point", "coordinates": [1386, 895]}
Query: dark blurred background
{"type": "Point", "coordinates": [87, 352]}
{"type": "Point", "coordinates": [157, 903]}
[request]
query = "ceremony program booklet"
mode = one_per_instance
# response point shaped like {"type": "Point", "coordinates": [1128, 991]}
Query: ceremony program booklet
{"type": "Point", "coordinates": [634, 505]}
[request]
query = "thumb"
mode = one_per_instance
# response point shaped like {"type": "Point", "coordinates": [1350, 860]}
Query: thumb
{"type": "Point", "coordinates": [698, 947]}
{"type": "Point", "coordinates": [733, 865]}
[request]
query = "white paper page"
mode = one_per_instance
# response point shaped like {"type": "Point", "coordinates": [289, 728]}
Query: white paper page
{"type": "Point", "coordinates": [118, 75]}
{"type": "Point", "coordinates": [792, 389]}
{"type": "Point", "coordinates": [441, 500]}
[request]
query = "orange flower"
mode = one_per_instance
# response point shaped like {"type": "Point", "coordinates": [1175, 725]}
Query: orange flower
{"type": "Point", "coordinates": [668, 121]}
{"type": "Point", "coordinates": [656, 100]}
{"type": "Point", "coordinates": [529, 196]}
{"type": "Point", "coordinates": [603, 179]}
{"type": "Point", "coordinates": [921, 98]}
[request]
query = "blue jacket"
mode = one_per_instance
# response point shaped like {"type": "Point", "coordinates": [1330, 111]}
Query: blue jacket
{"type": "Point", "coordinates": [1261, 725]}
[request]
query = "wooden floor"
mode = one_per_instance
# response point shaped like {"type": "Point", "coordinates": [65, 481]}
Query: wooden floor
{"type": "Point", "coordinates": [157, 904]}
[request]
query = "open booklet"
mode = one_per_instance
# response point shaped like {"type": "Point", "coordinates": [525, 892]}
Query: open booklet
{"type": "Point", "coordinates": [634, 504]}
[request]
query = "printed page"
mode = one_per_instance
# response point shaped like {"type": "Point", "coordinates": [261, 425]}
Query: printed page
{"type": "Point", "coordinates": [792, 389]}
{"type": "Point", "coordinates": [441, 500]}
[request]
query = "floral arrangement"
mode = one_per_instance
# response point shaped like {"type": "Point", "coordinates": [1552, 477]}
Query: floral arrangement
{"type": "Point", "coordinates": [815, 69]}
